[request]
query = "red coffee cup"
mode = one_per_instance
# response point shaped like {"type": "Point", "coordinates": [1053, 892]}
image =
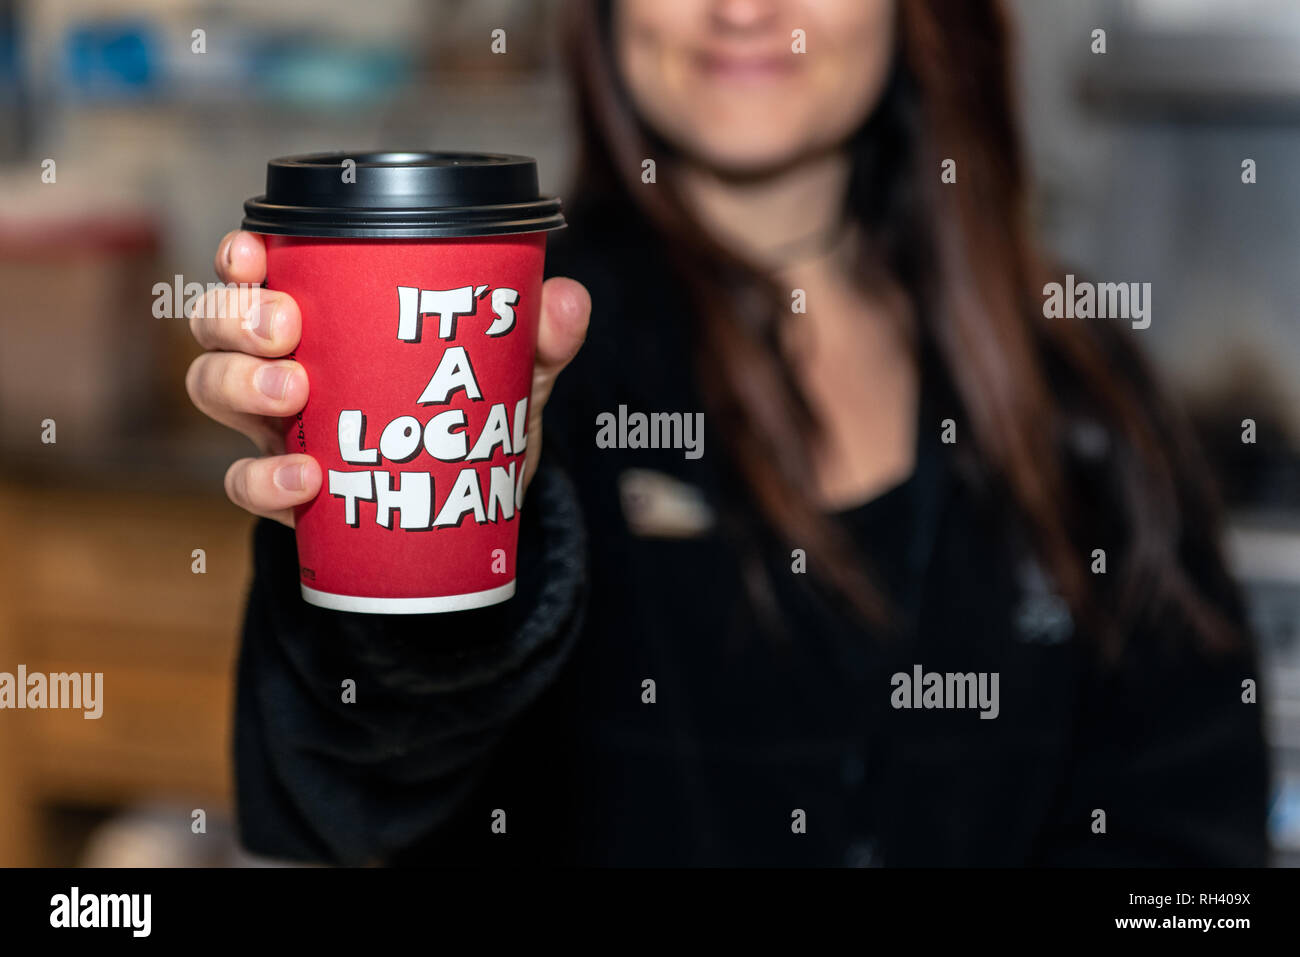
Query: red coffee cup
{"type": "Point", "coordinates": [419, 278]}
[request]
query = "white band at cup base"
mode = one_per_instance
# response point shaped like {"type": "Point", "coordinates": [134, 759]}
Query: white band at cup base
{"type": "Point", "coordinates": [408, 606]}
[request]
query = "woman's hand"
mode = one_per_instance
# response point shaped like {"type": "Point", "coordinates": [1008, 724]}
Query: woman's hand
{"type": "Point", "coordinates": [243, 381]}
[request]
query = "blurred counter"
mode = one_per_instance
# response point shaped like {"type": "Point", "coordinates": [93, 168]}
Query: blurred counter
{"type": "Point", "coordinates": [107, 580]}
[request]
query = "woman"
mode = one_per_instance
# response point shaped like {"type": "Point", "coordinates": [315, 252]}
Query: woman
{"type": "Point", "coordinates": [722, 657]}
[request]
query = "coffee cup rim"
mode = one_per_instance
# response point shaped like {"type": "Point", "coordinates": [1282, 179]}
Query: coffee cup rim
{"type": "Point", "coordinates": [402, 194]}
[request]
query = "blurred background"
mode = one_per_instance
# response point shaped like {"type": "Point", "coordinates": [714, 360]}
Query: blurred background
{"type": "Point", "coordinates": [128, 143]}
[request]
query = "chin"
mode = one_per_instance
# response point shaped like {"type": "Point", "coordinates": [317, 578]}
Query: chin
{"type": "Point", "coordinates": [751, 159]}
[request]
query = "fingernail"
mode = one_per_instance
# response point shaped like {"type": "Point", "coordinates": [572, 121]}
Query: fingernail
{"type": "Point", "coordinates": [261, 318]}
{"type": "Point", "coordinates": [291, 478]}
{"type": "Point", "coordinates": [273, 381]}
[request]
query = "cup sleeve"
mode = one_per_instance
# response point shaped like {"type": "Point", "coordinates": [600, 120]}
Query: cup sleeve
{"type": "Point", "coordinates": [358, 735]}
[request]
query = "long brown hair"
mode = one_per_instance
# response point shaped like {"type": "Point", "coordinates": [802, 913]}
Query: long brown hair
{"type": "Point", "coordinates": [964, 255]}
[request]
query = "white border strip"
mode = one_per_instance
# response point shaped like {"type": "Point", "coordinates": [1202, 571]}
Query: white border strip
{"type": "Point", "coordinates": [408, 606]}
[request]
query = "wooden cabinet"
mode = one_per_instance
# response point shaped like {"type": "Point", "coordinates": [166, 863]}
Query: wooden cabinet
{"type": "Point", "coordinates": [104, 581]}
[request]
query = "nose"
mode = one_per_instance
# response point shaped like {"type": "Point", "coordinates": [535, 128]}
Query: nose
{"type": "Point", "coordinates": [744, 14]}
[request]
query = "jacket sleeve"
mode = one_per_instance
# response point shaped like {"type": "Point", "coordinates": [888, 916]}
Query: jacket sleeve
{"type": "Point", "coordinates": [1174, 758]}
{"type": "Point", "coordinates": [1169, 742]}
{"type": "Point", "coordinates": [318, 779]}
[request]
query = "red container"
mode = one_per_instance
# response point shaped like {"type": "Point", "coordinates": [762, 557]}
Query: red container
{"type": "Point", "coordinates": [419, 353]}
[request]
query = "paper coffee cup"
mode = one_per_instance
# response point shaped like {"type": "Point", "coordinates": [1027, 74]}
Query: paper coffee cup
{"type": "Point", "coordinates": [419, 278]}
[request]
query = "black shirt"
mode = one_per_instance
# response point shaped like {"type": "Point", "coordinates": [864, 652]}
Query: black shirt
{"type": "Point", "coordinates": [763, 745]}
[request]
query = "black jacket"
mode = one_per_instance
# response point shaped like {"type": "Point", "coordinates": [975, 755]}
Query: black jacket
{"type": "Point", "coordinates": [762, 745]}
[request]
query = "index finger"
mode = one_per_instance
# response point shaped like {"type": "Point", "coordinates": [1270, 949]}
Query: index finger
{"type": "Point", "coordinates": [241, 257]}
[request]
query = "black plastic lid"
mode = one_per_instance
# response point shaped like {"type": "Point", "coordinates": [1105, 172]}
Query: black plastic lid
{"type": "Point", "coordinates": [413, 194]}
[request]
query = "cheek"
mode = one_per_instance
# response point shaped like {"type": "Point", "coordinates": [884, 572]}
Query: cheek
{"type": "Point", "coordinates": [856, 55]}
{"type": "Point", "coordinates": [843, 91]}
{"type": "Point", "coordinates": [654, 70]}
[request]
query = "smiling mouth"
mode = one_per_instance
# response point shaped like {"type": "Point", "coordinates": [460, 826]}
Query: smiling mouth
{"type": "Point", "coordinates": [746, 69]}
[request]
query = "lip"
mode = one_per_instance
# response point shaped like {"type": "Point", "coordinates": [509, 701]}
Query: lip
{"type": "Point", "coordinates": [746, 69]}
